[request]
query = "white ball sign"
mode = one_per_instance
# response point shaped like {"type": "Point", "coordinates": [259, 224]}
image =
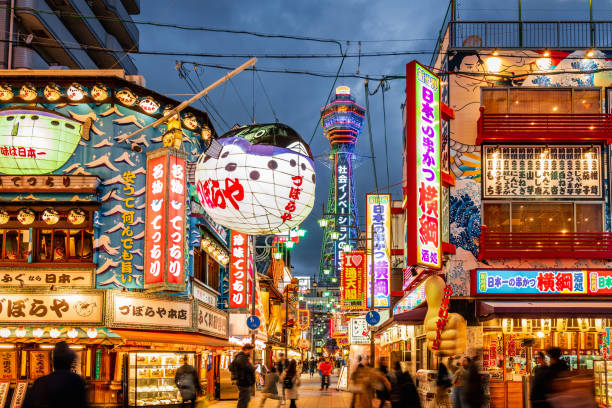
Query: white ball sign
{"type": "Point", "coordinates": [263, 181]}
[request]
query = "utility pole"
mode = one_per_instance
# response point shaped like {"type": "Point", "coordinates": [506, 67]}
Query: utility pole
{"type": "Point", "coordinates": [372, 346]}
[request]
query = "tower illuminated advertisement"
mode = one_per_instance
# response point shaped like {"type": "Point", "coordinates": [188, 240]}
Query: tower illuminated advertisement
{"type": "Point", "coordinates": [342, 120]}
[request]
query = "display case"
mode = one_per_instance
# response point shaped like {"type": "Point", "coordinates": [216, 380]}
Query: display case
{"type": "Point", "coordinates": [150, 377]}
{"type": "Point", "coordinates": [603, 377]}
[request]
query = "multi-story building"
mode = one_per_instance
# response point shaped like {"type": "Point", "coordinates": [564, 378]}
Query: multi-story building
{"type": "Point", "coordinates": [77, 34]}
{"type": "Point", "coordinates": [529, 211]}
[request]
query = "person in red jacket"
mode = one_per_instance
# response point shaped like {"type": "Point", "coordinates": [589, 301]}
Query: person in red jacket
{"type": "Point", "coordinates": [325, 367]}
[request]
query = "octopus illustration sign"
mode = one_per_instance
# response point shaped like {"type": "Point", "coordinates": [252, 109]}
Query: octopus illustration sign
{"type": "Point", "coordinates": [261, 181]}
{"type": "Point", "coordinates": [423, 178]}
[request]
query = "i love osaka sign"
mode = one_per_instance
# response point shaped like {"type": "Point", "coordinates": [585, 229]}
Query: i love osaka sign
{"type": "Point", "coordinates": [353, 279]}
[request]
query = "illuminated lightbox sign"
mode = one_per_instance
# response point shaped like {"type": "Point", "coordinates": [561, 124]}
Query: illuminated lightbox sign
{"type": "Point", "coordinates": [542, 171]}
{"type": "Point", "coordinates": [423, 178]}
{"type": "Point", "coordinates": [263, 181]}
{"type": "Point", "coordinates": [353, 280]}
{"type": "Point", "coordinates": [238, 269]}
{"type": "Point", "coordinates": [378, 216]}
{"type": "Point", "coordinates": [410, 301]}
{"type": "Point", "coordinates": [543, 282]}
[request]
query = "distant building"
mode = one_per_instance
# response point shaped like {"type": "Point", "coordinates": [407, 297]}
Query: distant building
{"type": "Point", "coordinates": [42, 34]}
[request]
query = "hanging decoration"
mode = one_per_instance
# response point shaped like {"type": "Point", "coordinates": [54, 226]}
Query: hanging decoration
{"type": "Point", "coordinates": [76, 216]}
{"type": "Point", "coordinates": [99, 92]}
{"type": "Point", "coordinates": [50, 216]}
{"type": "Point", "coordinates": [546, 325]}
{"type": "Point", "coordinates": [149, 105]}
{"type": "Point", "coordinates": [584, 324]}
{"type": "Point", "coordinates": [52, 92]}
{"type": "Point", "coordinates": [561, 325]}
{"type": "Point", "coordinates": [6, 93]}
{"type": "Point", "coordinates": [257, 179]}
{"type": "Point", "coordinates": [75, 92]}
{"type": "Point", "coordinates": [26, 216]}
{"type": "Point", "coordinates": [126, 97]}
{"type": "Point", "coordinates": [507, 326]}
{"type": "Point", "coordinates": [526, 326]}
{"type": "Point", "coordinates": [28, 92]}
{"type": "Point", "coordinates": [4, 216]}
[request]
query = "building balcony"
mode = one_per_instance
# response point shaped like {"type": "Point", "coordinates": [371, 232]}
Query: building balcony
{"type": "Point", "coordinates": [544, 127]}
{"type": "Point", "coordinates": [538, 245]}
{"type": "Point", "coordinates": [562, 35]}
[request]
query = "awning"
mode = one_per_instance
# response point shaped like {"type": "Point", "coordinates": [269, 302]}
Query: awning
{"type": "Point", "coordinates": [491, 309]}
{"type": "Point", "coordinates": [196, 339]}
{"type": "Point", "coordinates": [71, 335]}
{"type": "Point", "coordinates": [412, 317]}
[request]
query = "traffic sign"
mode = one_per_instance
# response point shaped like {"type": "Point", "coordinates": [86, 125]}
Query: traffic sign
{"type": "Point", "coordinates": [253, 322]}
{"type": "Point", "coordinates": [373, 317]}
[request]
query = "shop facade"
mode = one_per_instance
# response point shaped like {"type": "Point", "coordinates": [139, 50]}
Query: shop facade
{"type": "Point", "coordinates": [90, 217]}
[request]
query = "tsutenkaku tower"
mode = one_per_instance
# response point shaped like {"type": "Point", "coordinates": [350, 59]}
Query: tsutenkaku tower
{"type": "Point", "coordinates": [341, 120]}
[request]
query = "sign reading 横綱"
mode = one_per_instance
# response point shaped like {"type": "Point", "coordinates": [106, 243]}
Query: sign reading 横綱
{"type": "Point", "coordinates": [165, 220]}
{"type": "Point", "coordinates": [542, 171]}
{"type": "Point", "coordinates": [212, 321]}
{"type": "Point", "coordinates": [542, 282]}
{"type": "Point", "coordinates": [155, 313]}
{"type": "Point", "coordinates": [423, 179]}
{"type": "Point", "coordinates": [378, 214]}
{"type": "Point", "coordinates": [28, 307]}
{"type": "Point", "coordinates": [238, 269]}
{"type": "Point", "coordinates": [353, 280]}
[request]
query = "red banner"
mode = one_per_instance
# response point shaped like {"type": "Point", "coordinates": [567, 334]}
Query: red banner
{"type": "Point", "coordinates": [165, 220]}
{"type": "Point", "coordinates": [353, 280]}
{"type": "Point", "coordinates": [303, 319]}
{"type": "Point", "coordinates": [238, 270]}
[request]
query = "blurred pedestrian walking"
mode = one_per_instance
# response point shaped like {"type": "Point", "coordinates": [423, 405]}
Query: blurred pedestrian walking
{"type": "Point", "coordinates": [313, 366]}
{"type": "Point", "coordinates": [540, 384]}
{"type": "Point", "coordinates": [270, 390]}
{"type": "Point", "coordinates": [382, 393]}
{"type": "Point", "coordinates": [291, 382]}
{"type": "Point", "coordinates": [443, 384]}
{"type": "Point", "coordinates": [60, 389]}
{"type": "Point", "coordinates": [472, 391]}
{"type": "Point", "coordinates": [188, 383]}
{"type": "Point", "coordinates": [367, 380]}
{"type": "Point", "coordinates": [243, 374]}
{"type": "Point", "coordinates": [403, 393]}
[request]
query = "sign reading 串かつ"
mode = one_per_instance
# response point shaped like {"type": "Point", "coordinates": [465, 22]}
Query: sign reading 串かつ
{"type": "Point", "coordinates": [34, 308]}
{"type": "Point", "coordinates": [212, 321]}
{"type": "Point", "coordinates": [378, 215]}
{"type": "Point", "coordinates": [423, 167]}
{"type": "Point", "coordinates": [542, 171]}
{"type": "Point", "coordinates": [157, 313]}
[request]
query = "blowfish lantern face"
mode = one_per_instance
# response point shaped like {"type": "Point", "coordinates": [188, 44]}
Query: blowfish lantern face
{"type": "Point", "coordinates": [263, 181]}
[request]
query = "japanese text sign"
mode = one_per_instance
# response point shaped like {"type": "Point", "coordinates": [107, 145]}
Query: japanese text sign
{"type": "Point", "coordinates": [139, 311]}
{"type": "Point", "coordinates": [212, 321]}
{"type": "Point", "coordinates": [353, 279]}
{"type": "Point", "coordinates": [542, 171]}
{"type": "Point", "coordinates": [423, 192]}
{"type": "Point", "coordinates": [303, 319]}
{"type": "Point", "coordinates": [63, 277]}
{"type": "Point", "coordinates": [358, 331]}
{"type": "Point", "coordinates": [238, 269]}
{"type": "Point", "coordinates": [410, 301]}
{"type": "Point", "coordinates": [338, 325]}
{"type": "Point", "coordinates": [378, 218]}
{"type": "Point", "coordinates": [542, 282]}
{"type": "Point", "coordinates": [165, 220]}
{"type": "Point", "coordinates": [442, 316]}
{"type": "Point", "coordinates": [8, 365]}
{"type": "Point", "coordinates": [343, 200]}
{"type": "Point", "coordinates": [27, 307]}
{"type": "Point", "coordinates": [39, 364]}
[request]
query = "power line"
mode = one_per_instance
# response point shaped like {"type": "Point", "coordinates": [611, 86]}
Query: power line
{"type": "Point", "coordinates": [267, 97]}
{"type": "Point", "coordinates": [241, 101]}
{"type": "Point", "coordinates": [209, 100]}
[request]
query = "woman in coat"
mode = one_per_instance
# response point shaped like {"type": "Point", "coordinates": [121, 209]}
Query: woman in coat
{"type": "Point", "coordinates": [291, 382]}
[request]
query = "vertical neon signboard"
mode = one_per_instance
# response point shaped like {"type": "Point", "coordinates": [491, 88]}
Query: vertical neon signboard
{"type": "Point", "coordinates": [238, 269]}
{"type": "Point", "coordinates": [155, 227]}
{"type": "Point", "coordinates": [343, 201]}
{"type": "Point", "coordinates": [423, 187]}
{"type": "Point", "coordinates": [353, 278]}
{"type": "Point", "coordinates": [378, 214]}
{"type": "Point", "coordinates": [176, 220]}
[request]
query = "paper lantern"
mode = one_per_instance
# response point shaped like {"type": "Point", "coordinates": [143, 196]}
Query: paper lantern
{"type": "Point", "coordinates": [584, 324]}
{"type": "Point", "coordinates": [99, 92]}
{"type": "Point", "coordinates": [92, 333]}
{"type": "Point", "coordinates": [4, 216]}
{"type": "Point", "coordinates": [262, 181]}
{"type": "Point", "coordinates": [546, 325]}
{"type": "Point", "coordinates": [6, 93]}
{"type": "Point", "coordinates": [75, 92]}
{"type": "Point", "coordinates": [38, 332]}
{"type": "Point", "coordinates": [149, 105]}
{"type": "Point", "coordinates": [50, 216]}
{"type": "Point", "coordinates": [561, 325]}
{"type": "Point", "coordinates": [126, 97]}
{"type": "Point", "coordinates": [507, 326]}
{"type": "Point", "coordinates": [26, 216]}
{"type": "Point", "coordinates": [76, 216]}
{"type": "Point", "coordinates": [72, 333]}
{"type": "Point", "coordinates": [34, 141]}
{"type": "Point", "coordinates": [52, 92]}
{"type": "Point", "coordinates": [54, 333]}
{"type": "Point", "coordinates": [600, 325]}
{"type": "Point", "coordinates": [28, 92]}
{"type": "Point", "coordinates": [20, 332]}
{"type": "Point", "coordinates": [5, 332]}
{"type": "Point", "coordinates": [526, 326]}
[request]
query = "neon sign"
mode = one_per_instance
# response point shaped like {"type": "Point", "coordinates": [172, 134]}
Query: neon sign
{"type": "Point", "coordinates": [422, 156]}
{"type": "Point", "coordinates": [353, 278]}
{"type": "Point", "coordinates": [378, 214]}
{"type": "Point", "coordinates": [238, 269]}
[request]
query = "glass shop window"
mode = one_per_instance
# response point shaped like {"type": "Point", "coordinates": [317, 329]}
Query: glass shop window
{"type": "Point", "coordinates": [541, 100]}
{"type": "Point", "coordinates": [213, 274]}
{"type": "Point", "coordinates": [543, 217]}
{"type": "Point", "coordinates": [58, 245]}
{"type": "Point", "coordinates": [199, 264]}
{"type": "Point", "coordinates": [15, 244]}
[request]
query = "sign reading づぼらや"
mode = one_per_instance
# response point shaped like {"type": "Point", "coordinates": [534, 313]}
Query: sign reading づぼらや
{"type": "Point", "coordinates": [212, 321]}
{"type": "Point", "coordinates": [423, 177]}
{"type": "Point", "coordinates": [165, 220]}
{"type": "Point", "coordinates": [144, 311]}
{"type": "Point", "coordinates": [540, 171]}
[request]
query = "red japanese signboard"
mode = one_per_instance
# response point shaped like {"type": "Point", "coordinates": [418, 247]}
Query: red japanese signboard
{"type": "Point", "coordinates": [353, 278]}
{"type": "Point", "coordinates": [165, 220]}
{"type": "Point", "coordinates": [238, 269]}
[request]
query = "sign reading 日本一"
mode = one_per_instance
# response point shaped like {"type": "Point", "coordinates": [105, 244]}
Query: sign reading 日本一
{"type": "Point", "coordinates": [378, 214]}
{"type": "Point", "coordinates": [542, 171]}
{"type": "Point", "coordinates": [552, 282]}
{"type": "Point", "coordinates": [423, 167]}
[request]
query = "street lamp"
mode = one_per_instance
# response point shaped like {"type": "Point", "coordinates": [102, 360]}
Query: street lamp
{"type": "Point", "coordinates": [334, 235]}
{"type": "Point", "coordinates": [326, 271]}
{"type": "Point", "coordinates": [278, 255]}
{"type": "Point", "coordinates": [323, 222]}
{"type": "Point", "coordinates": [289, 244]}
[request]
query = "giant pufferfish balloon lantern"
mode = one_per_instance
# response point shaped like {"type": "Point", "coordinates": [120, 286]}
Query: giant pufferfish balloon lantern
{"type": "Point", "coordinates": [257, 179]}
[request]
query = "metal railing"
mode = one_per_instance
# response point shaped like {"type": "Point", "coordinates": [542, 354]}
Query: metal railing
{"type": "Point", "coordinates": [533, 245]}
{"type": "Point", "coordinates": [530, 34]}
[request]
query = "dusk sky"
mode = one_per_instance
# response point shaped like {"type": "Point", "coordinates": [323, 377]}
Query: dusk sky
{"type": "Point", "coordinates": [382, 26]}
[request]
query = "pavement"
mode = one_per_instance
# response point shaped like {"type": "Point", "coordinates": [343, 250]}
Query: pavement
{"type": "Point", "coordinates": [309, 396]}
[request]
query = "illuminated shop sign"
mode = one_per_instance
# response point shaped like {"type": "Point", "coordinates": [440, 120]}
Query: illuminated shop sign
{"type": "Point", "coordinates": [542, 171]}
{"type": "Point", "coordinates": [423, 193]}
{"type": "Point", "coordinates": [378, 215]}
{"type": "Point", "coordinates": [238, 269]}
{"type": "Point", "coordinates": [353, 278]}
{"type": "Point", "coordinates": [543, 282]}
{"type": "Point", "coordinates": [410, 301]}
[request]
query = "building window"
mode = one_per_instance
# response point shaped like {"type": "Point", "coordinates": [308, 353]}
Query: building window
{"type": "Point", "coordinates": [543, 216]}
{"type": "Point", "coordinates": [212, 278]}
{"type": "Point", "coordinates": [199, 264]}
{"type": "Point", "coordinates": [541, 100]}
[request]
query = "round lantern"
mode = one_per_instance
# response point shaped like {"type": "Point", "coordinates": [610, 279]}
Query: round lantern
{"type": "Point", "coordinates": [262, 181]}
{"type": "Point", "coordinates": [72, 333]}
{"type": "Point", "coordinates": [76, 216]}
{"type": "Point", "coordinates": [561, 325]}
{"type": "Point", "coordinates": [92, 333]}
{"type": "Point", "coordinates": [50, 216]}
{"type": "Point", "coordinates": [149, 105]}
{"type": "Point", "coordinates": [507, 326]}
{"type": "Point", "coordinates": [20, 332]}
{"type": "Point", "coordinates": [54, 333]}
{"type": "Point", "coordinates": [126, 97]}
{"type": "Point", "coordinates": [26, 216]}
{"type": "Point", "coordinates": [38, 332]}
{"type": "Point", "coordinates": [75, 92]}
{"type": "Point", "coordinates": [4, 216]}
{"type": "Point", "coordinates": [52, 92]}
{"type": "Point", "coordinates": [6, 92]}
{"type": "Point", "coordinates": [5, 332]}
{"type": "Point", "coordinates": [99, 92]}
{"type": "Point", "coordinates": [28, 92]}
